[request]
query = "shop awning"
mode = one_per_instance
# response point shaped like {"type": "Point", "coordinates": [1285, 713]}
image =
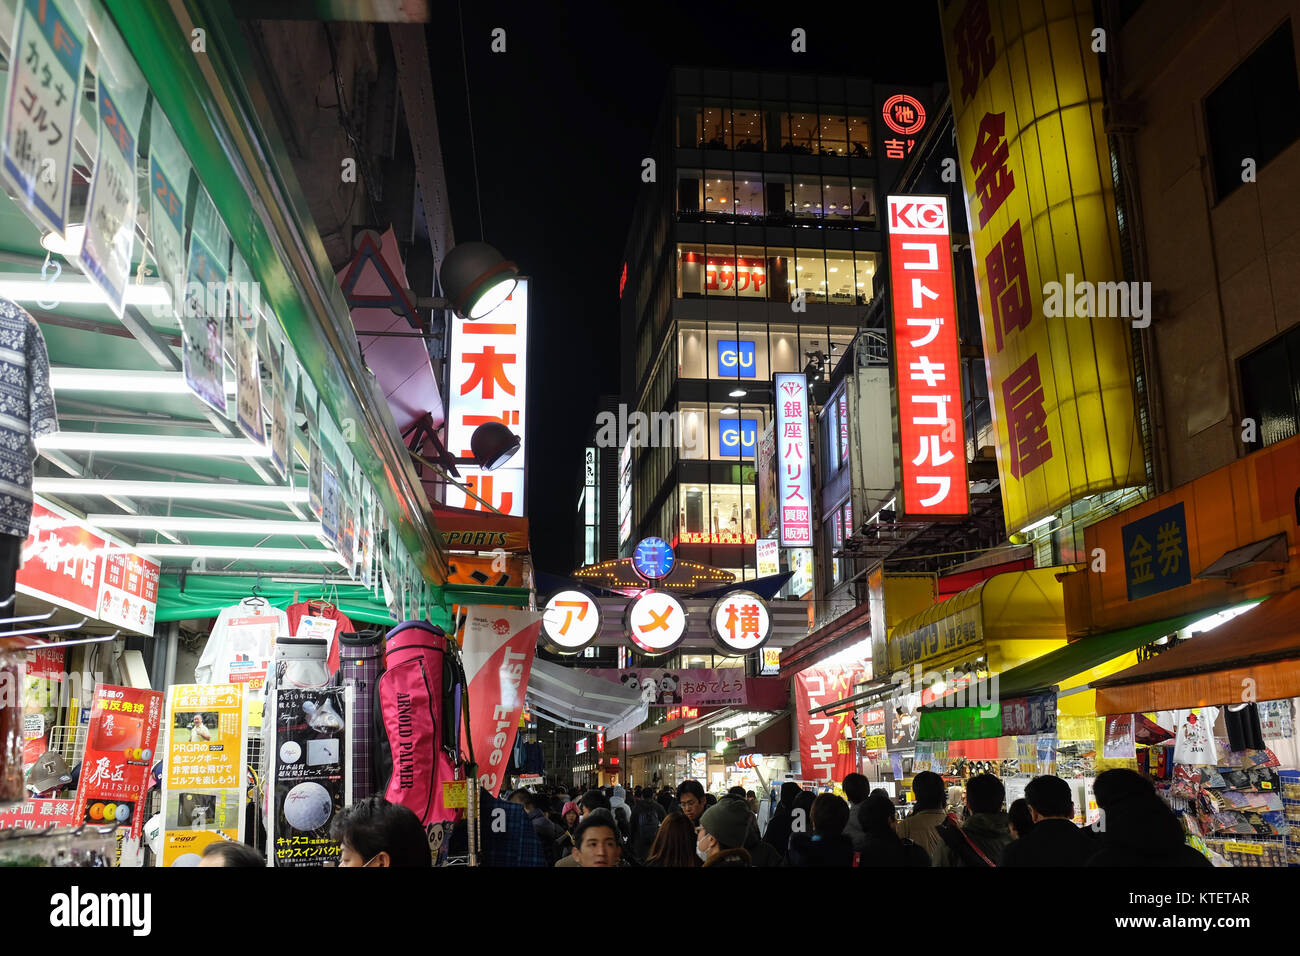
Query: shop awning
{"type": "Point", "coordinates": [466, 529]}
{"type": "Point", "coordinates": [845, 630]}
{"type": "Point", "coordinates": [774, 737]}
{"type": "Point", "coordinates": [570, 698]}
{"type": "Point", "coordinates": [1256, 650]}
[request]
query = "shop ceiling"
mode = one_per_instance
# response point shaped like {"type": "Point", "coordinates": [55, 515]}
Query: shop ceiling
{"type": "Point", "coordinates": [117, 380]}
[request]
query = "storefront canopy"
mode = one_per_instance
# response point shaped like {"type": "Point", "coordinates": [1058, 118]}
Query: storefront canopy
{"type": "Point", "coordinates": [570, 698]}
{"type": "Point", "coordinates": [1258, 651]}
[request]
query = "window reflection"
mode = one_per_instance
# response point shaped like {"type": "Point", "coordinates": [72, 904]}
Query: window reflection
{"type": "Point", "coordinates": [749, 194]}
{"type": "Point", "coordinates": [747, 124]}
{"type": "Point", "coordinates": [859, 136]}
{"type": "Point", "coordinates": [837, 197]}
{"type": "Point", "coordinates": [716, 127]}
{"type": "Point", "coordinates": [834, 135]}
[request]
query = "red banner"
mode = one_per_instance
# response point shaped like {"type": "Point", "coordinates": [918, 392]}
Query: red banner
{"type": "Point", "coordinates": [498, 652]}
{"type": "Point", "coordinates": [121, 746]}
{"type": "Point", "coordinates": [36, 814]}
{"type": "Point", "coordinates": [62, 561]}
{"type": "Point", "coordinates": [822, 758]}
{"type": "Point", "coordinates": [128, 596]}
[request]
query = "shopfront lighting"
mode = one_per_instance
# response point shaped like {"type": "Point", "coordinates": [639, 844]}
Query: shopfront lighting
{"type": "Point", "coordinates": [235, 553]}
{"type": "Point", "coordinates": [180, 445]}
{"type": "Point", "coordinates": [175, 490]}
{"type": "Point", "coordinates": [1038, 524]}
{"type": "Point", "coordinates": [492, 445]}
{"type": "Point", "coordinates": [211, 525]}
{"type": "Point", "coordinates": [67, 379]}
{"type": "Point", "coordinates": [737, 393]}
{"type": "Point", "coordinates": [476, 279]}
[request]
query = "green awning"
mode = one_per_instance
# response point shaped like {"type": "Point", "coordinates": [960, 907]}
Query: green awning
{"type": "Point", "coordinates": [958, 723]}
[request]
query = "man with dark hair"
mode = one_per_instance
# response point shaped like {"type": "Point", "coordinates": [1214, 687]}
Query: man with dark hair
{"type": "Point", "coordinates": [737, 792]}
{"type": "Point", "coordinates": [593, 801]}
{"type": "Point", "coordinates": [856, 790]}
{"type": "Point", "coordinates": [547, 832]}
{"type": "Point", "coordinates": [921, 827]}
{"type": "Point", "coordinates": [1137, 828]}
{"type": "Point", "coordinates": [374, 832]}
{"type": "Point", "coordinates": [981, 840]}
{"type": "Point", "coordinates": [1053, 840]}
{"type": "Point", "coordinates": [690, 800]}
{"type": "Point", "coordinates": [596, 840]}
{"type": "Point", "coordinates": [826, 845]}
{"type": "Point", "coordinates": [230, 853]}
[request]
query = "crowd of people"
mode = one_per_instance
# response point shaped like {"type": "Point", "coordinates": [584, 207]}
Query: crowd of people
{"type": "Point", "coordinates": [688, 827]}
{"type": "Point", "coordinates": [946, 827]}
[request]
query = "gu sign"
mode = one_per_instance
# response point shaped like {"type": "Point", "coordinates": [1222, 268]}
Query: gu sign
{"type": "Point", "coordinates": [736, 358]}
{"type": "Point", "coordinates": [931, 433]}
{"type": "Point", "coordinates": [792, 462]}
{"type": "Point", "coordinates": [489, 383]}
{"type": "Point", "coordinates": [737, 437]}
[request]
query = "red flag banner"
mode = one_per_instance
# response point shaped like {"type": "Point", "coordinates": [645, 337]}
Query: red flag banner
{"type": "Point", "coordinates": [121, 746]}
{"type": "Point", "coordinates": [498, 652]}
{"type": "Point", "coordinates": [821, 758]}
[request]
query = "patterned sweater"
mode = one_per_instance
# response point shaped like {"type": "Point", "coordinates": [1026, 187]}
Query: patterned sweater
{"type": "Point", "coordinates": [26, 412]}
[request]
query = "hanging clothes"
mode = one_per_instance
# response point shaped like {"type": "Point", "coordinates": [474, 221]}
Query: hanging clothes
{"type": "Point", "coordinates": [240, 650]}
{"type": "Point", "coordinates": [318, 614]}
{"type": "Point", "coordinates": [26, 412]}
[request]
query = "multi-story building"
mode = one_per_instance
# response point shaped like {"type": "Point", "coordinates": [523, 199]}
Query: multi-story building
{"type": "Point", "coordinates": [754, 251]}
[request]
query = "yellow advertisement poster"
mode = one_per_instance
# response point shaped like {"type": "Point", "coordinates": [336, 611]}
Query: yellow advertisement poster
{"type": "Point", "coordinates": [204, 770]}
{"type": "Point", "coordinates": [1056, 315]}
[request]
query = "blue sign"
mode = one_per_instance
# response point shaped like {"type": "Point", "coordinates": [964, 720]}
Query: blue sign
{"type": "Point", "coordinates": [736, 359]}
{"type": "Point", "coordinates": [737, 438]}
{"type": "Point", "coordinates": [653, 558]}
{"type": "Point", "coordinates": [1155, 553]}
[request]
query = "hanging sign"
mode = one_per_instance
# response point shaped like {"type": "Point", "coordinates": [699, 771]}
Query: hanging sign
{"type": "Point", "coordinates": [166, 222]}
{"type": "Point", "coordinates": [313, 774]}
{"type": "Point", "coordinates": [128, 593]}
{"type": "Point", "coordinates": [655, 622]}
{"type": "Point", "coordinates": [283, 404]}
{"type": "Point", "coordinates": [740, 622]}
{"type": "Point", "coordinates": [121, 742]}
{"type": "Point", "coordinates": [329, 519]}
{"type": "Point", "coordinates": [1119, 744]}
{"type": "Point", "coordinates": [203, 325]}
{"type": "Point", "coordinates": [794, 469]}
{"type": "Point", "coordinates": [205, 764]}
{"type": "Point", "coordinates": [62, 560]}
{"type": "Point", "coordinates": [570, 621]}
{"type": "Point", "coordinates": [248, 369]}
{"type": "Point", "coordinates": [110, 211]}
{"type": "Point", "coordinates": [500, 644]}
{"type": "Point", "coordinates": [1029, 715]}
{"type": "Point", "coordinates": [815, 687]}
{"type": "Point", "coordinates": [768, 557]}
{"type": "Point", "coordinates": [44, 94]}
{"type": "Point", "coordinates": [313, 467]}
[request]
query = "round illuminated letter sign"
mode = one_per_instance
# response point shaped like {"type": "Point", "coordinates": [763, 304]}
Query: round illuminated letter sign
{"type": "Point", "coordinates": [740, 622]}
{"type": "Point", "coordinates": [653, 558]}
{"type": "Point", "coordinates": [655, 623]}
{"type": "Point", "coordinates": [570, 621]}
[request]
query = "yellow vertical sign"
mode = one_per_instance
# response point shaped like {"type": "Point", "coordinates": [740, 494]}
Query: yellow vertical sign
{"type": "Point", "coordinates": [204, 769]}
{"type": "Point", "coordinates": [1056, 316]}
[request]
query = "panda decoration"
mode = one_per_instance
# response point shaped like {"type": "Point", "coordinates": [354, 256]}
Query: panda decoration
{"type": "Point", "coordinates": [670, 689]}
{"type": "Point", "coordinates": [649, 689]}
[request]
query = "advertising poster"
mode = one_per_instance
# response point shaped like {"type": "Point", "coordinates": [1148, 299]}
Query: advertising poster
{"type": "Point", "coordinates": [1119, 738]}
{"type": "Point", "coordinates": [121, 741]}
{"type": "Point", "coordinates": [901, 723]}
{"type": "Point", "coordinates": [205, 764]}
{"type": "Point", "coordinates": [110, 213]}
{"type": "Point", "coordinates": [283, 405]}
{"type": "Point", "coordinates": [500, 644]}
{"type": "Point", "coordinates": [41, 109]}
{"type": "Point", "coordinates": [702, 687]}
{"type": "Point", "coordinates": [128, 594]}
{"type": "Point", "coordinates": [36, 814]}
{"type": "Point", "coordinates": [62, 560]}
{"type": "Point", "coordinates": [203, 325]}
{"type": "Point", "coordinates": [330, 510]}
{"type": "Point", "coordinates": [819, 753]}
{"type": "Point", "coordinates": [166, 218]}
{"type": "Point", "coordinates": [313, 775]}
{"type": "Point", "coordinates": [250, 641]}
{"type": "Point", "coordinates": [248, 372]}
{"type": "Point", "coordinates": [768, 503]}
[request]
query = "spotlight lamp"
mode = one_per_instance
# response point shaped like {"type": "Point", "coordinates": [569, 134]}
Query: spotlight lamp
{"type": "Point", "coordinates": [476, 279]}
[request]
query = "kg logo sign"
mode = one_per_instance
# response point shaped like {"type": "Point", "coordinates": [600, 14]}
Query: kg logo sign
{"type": "Point", "coordinates": [908, 215]}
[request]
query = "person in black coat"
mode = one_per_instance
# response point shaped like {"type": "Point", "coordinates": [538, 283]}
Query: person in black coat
{"type": "Point", "coordinates": [778, 828]}
{"type": "Point", "coordinates": [883, 846]}
{"type": "Point", "coordinates": [826, 845]}
{"type": "Point", "coordinates": [1137, 828]}
{"type": "Point", "coordinates": [1053, 840]}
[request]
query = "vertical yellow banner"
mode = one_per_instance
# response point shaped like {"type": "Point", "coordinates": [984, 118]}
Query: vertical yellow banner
{"type": "Point", "coordinates": [1055, 313]}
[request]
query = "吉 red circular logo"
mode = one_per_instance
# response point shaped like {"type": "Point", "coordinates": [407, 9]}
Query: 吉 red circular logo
{"type": "Point", "coordinates": [903, 114]}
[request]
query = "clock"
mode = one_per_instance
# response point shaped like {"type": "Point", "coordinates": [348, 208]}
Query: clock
{"type": "Point", "coordinates": [653, 558]}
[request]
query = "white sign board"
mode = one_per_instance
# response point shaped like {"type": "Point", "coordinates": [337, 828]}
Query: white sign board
{"type": "Point", "coordinates": [570, 621]}
{"type": "Point", "coordinates": [655, 622]}
{"type": "Point", "coordinates": [794, 469]}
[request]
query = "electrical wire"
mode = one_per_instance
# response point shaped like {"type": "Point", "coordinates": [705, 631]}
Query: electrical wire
{"type": "Point", "coordinates": [469, 111]}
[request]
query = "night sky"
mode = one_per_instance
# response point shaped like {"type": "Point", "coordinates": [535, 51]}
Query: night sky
{"type": "Point", "coordinates": [562, 120]}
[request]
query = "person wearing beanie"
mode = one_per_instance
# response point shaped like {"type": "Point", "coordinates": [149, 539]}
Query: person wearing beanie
{"type": "Point", "coordinates": [722, 833]}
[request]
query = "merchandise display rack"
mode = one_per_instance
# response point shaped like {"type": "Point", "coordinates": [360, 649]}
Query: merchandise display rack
{"type": "Point", "coordinates": [1291, 807]}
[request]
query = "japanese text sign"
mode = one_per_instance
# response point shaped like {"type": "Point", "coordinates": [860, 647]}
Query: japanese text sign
{"type": "Point", "coordinates": [655, 622]}
{"type": "Point", "coordinates": [36, 814]}
{"type": "Point", "coordinates": [931, 431]}
{"type": "Point", "coordinates": [45, 61]}
{"type": "Point", "coordinates": [121, 741]}
{"type": "Point", "coordinates": [1028, 107]}
{"type": "Point", "coordinates": [793, 466]}
{"type": "Point", "coordinates": [740, 622]}
{"type": "Point", "coordinates": [1155, 553]}
{"type": "Point", "coordinates": [489, 383]}
{"type": "Point", "coordinates": [570, 621]}
{"type": "Point", "coordinates": [695, 687]}
{"type": "Point", "coordinates": [312, 774]}
{"type": "Point", "coordinates": [62, 560]}
{"type": "Point", "coordinates": [128, 592]}
{"type": "Point", "coordinates": [819, 734]}
{"type": "Point", "coordinates": [1029, 715]}
{"type": "Point", "coordinates": [110, 213]}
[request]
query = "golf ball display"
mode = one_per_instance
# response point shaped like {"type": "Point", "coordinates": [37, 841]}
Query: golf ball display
{"type": "Point", "coordinates": [290, 751]}
{"type": "Point", "coordinates": [308, 807]}
{"type": "Point", "coordinates": [187, 859]}
{"type": "Point", "coordinates": [123, 813]}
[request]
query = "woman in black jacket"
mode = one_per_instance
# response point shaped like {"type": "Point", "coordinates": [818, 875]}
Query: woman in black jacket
{"type": "Point", "coordinates": [778, 828]}
{"type": "Point", "coordinates": [1137, 827]}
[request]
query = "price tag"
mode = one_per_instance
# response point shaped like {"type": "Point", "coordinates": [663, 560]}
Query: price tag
{"type": "Point", "coordinates": [1254, 849]}
{"type": "Point", "coordinates": [455, 794]}
{"type": "Point", "coordinates": [33, 726]}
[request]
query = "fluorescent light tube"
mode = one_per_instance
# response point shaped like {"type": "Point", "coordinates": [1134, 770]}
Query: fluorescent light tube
{"type": "Point", "coordinates": [1038, 524]}
{"type": "Point", "coordinates": [22, 287]}
{"type": "Point", "coordinates": [188, 490]}
{"type": "Point", "coordinates": [215, 525]}
{"type": "Point", "coordinates": [184, 445]}
{"type": "Point", "coordinates": [68, 379]}
{"type": "Point", "coordinates": [235, 553]}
